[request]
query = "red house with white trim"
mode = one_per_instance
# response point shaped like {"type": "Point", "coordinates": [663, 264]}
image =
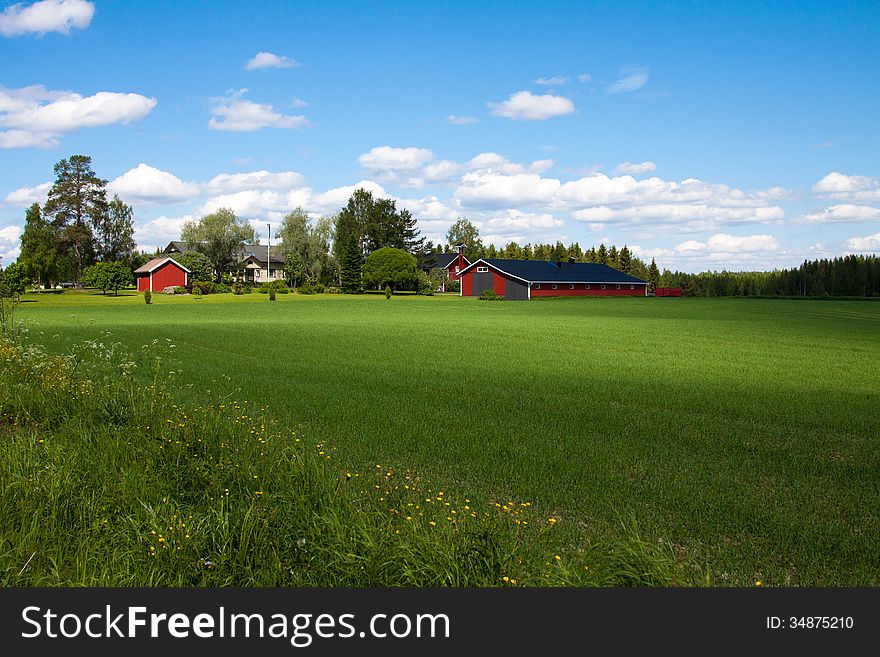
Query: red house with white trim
{"type": "Point", "coordinates": [519, 280]}
{"type": "Point", "coordinates": [159, 273]}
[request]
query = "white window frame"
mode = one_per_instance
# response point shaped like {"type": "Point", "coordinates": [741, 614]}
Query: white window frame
{"type": "Point", "coordinates": [554, 286]}
{"type": "Point", "coordinates": [587, 287]}
{"type": "Point", "coordinates": [632, 287]}
{"type": "Point", "coordinates": [618, 287]}
{"type": "Point", "coordinates": [571, 286]}
{"type": "Point", "coordinates": [603, 287]}
{"type": "Point", "coordinates": [536, 286]}
{"type": "Point", "coordinates": [480, 270]}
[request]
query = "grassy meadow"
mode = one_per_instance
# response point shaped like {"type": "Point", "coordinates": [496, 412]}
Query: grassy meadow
{"type": "Point", "coordinates": [742, 435]}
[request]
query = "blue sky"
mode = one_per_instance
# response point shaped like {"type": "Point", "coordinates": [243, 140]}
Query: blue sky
{"type": "Point", "coordinates": [707, 135]}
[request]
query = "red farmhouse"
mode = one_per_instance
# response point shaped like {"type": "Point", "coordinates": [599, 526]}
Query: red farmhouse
{"type": "Point", "coordinates": [525, 279]}
{"type": "Point", "coordinates": [452, 263]}
{"type": "Point", "coordinates": [159, 273]}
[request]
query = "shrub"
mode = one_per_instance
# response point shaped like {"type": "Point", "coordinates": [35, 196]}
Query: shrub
{"type": "Point", "coordinates": [387, 292]}
{"type": "Point", "coordinates": [180, 289]}
{"type": "Point", "coordinates": [453, 286]}
{"type": "Point", "coordinates": [271, 294]}
{"type": "Point", "coordinates": [333, 289]}
{"type": "Point", "coordinates": [248, 289]}
{"type": "Point", "coordinates": [148, 297]}
{"type": "Point", "coordinates": [197, 292]}
{"type": "Point", "coordinates": [220, 288]}
{"type": "Point", "coordinates": [489, 295]}
{"type": "Point", "coordinates": [237, 288]}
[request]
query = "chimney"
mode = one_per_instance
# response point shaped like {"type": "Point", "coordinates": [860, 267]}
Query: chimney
{"type": "Point", "coordinates": [459, 248]}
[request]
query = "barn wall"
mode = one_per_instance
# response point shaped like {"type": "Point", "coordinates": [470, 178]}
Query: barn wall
{"type": "Point", "coordinates": [481, 281]}
{"type": "Point", "coordinates": [594, 291]}
{"type": "Point", "coordinates": [168, 274]}
{"type": "Point", "coordinates": [143, 281]}
{"type": "Point", "coordinates": [515, 290]}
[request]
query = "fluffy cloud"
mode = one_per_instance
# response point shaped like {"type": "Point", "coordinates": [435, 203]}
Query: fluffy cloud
{"type": "Point", "coordinates": [516, 221]}
{"type": "Point", "coordinates": [35, 116]}
{"type": "Point", "coordinates": [556, 80]}
{"type": "Point", "coordinates": [158, 232]}
{"type": "Point", "coordinates": [585, 77]}
{"type": "Point", "coordinates": [641, 167]}
{"type": "Point", "coordinates": [461, 120]}
{"type": "Point", "coordinates": [868, 244]}
{"type": "Point", "coordinates": [632, 78]}
{"type": "Point", "coordinates": [269, 60]}
{"type": "Point", "coordinates": [525, 106]}
{"type": "Point", "coordinates": [721, 249]}
{"type": "Point", "coordinates": [26, 196]}
{"type": "Point", "coordinates": [236, 114]}
{"type": "Point", "coordinates": [488, 189]}
{"type": "Point", "coordinates": [9, 243]}
{"type": "Point", "coordinates": [147, 185]}
{"type": "Point", "coordinates": [235, 182]}
{"type": "Point", "coordinates": [387, 158]}
{"type": "Point", "coordinates": [852, 188]}
{"type": "Point", "coordinates": [46, 16]}
{"type": "Point", "coordinates": [845, 212]}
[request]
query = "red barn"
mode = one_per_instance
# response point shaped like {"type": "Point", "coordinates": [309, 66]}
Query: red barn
{"type": "Point", "coordinates": [524, 279]}
{"type": "Point", "coordinates": [159, 273]}
{"type": "Point", "coordinates": [668, 292]}
{"type": "Point", "coordinates": [452, 263]}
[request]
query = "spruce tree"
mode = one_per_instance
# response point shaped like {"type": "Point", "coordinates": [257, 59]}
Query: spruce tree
{"type": "Point", "coordinates": [653, 276]}
{"type": "Point", "coordinates": [602, 255]}
{"type": "Point", "coordinates": [351, 265]}
{"type": "Point", "coordinates": [624, 260]}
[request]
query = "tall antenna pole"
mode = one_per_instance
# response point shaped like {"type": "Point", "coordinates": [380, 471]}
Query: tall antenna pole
{"type": "Point", "coordinates": [268, 251]}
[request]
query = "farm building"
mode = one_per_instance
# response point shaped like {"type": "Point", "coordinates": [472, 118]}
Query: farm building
{"type": "Point", "coordinates": [525, 279]}
{"type": "Point", "coordinates": [159, 273]}
{"type": "Point", "coordinates": [251, 266]}
{"type": "Point", "coordinates": [452, 263]}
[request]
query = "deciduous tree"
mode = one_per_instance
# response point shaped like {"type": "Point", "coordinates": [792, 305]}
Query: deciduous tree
{"type": "Point", "coordinates": [394, 268]}
{"type": "Point", "coordinates": [220, 236]}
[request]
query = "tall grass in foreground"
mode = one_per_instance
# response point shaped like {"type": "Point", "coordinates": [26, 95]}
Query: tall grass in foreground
{"type": "Point", "coordinates": [107, 481]}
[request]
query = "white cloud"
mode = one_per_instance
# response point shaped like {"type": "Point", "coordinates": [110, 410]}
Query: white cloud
{"type": "Point", "coordinates": [488, 188]}
{"type": "Point", "coordinates": [442, 170]}
{"type": "Point", "coordinates": [298, 103]}
{"type": "Point", "coordinates": [9, 244]}
{"type": "Point", "coordinates": [845, 212]}
{"type": "Point", "coordinates": [720, 250]}
{"type": "Point", "coordinates": [158, 232]}
{"type": "Point", "coordinates": [26, 196]}
{"type": "Point", "coordinates": [269, 60]}
{"type": "Point", "coordinates": [868, 244]}
{"type": "Point", "coordinates": [461, 120]}
{"type": "Point", "coordinates": [263, 203]}
{"type": "Point", "coordinates": [525, 106]}
{"type": "Point", "coordinates": [632, 78]}
{"type": "Point", "coordinates": [387, 158]}
{"type": "Point", "coordinates": [516, 221]}
{"type": "Point", "coordinates": [335, 198]}
{"type": "Point", "coordinates": [585, 77]}
{"type": "Point", "coordinates": [235, 114]}
{"type": "Point", "coordinates": [629, 167]}
{"type": "Point", "coordinates": [46, 16]}
{"type": "Point", "coordinates": [146, 184]}
{"type": "Point", "coordinates": [852, 188]}
{"type": "Point", "coordinates": [236, 182]}
{"type": "Point", "coordinates": [35, 116]}
{"type": "Point", "coordinates": [556, 80]}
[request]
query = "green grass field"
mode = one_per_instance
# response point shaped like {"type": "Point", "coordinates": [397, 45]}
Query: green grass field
{"type": "Point", "coordinates": [743, 432]}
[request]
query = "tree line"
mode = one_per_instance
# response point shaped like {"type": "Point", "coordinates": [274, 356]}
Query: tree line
{"type": "Point", "coordinates": [851, 275]}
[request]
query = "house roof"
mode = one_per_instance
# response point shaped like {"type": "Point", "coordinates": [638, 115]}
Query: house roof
{"type": "Point", "coordinates": [258, 253]}
{"type": "Point", "coordinates": [176, 246]}
{"type": "Point", "coordinates": [156, 263]}
{"type": "Point", "coordinates": [544, 271]}
{"type": "Point", "coordinates": [439, 260]}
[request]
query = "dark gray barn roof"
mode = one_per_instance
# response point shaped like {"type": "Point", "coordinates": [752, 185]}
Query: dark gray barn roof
{"type": "Point", "coordinates": [544, 271]}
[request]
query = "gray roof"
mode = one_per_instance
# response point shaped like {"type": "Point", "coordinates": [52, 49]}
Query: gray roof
{"type": "Point", "coordinates": [544, 271]}
{"type": "Point", "coordinates": [439, 260]}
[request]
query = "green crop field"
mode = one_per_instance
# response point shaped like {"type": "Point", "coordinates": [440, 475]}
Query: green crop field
{"type": "Point", "coordinates": [745, 433]}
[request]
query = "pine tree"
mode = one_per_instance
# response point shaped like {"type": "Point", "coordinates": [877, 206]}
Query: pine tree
{"type": "Point", "coordinates": [653, 276]}
{"type": "Point", "coordinates": [77, 199]}
{"type": "Point", "coordinates": [613, 257]}
{"type": "Point", "coordinates": [602, 255]}
{"type": "Point", "coordinates": [352, 264]}
{"type": "Point", "coordinates": [624, 260]}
